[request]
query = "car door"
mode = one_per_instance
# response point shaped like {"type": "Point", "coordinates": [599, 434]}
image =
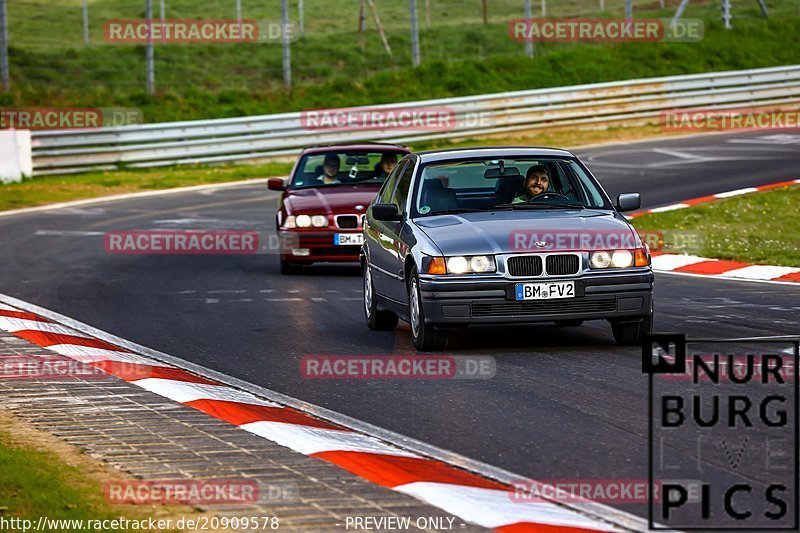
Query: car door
{"type": "Point", "coordinates": [393, 237]}
{"type": "Point", "coordinates": [376, 238]}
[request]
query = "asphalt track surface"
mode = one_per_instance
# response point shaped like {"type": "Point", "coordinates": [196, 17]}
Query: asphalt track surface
{"type": "Point", "coordinates": [566, 403]}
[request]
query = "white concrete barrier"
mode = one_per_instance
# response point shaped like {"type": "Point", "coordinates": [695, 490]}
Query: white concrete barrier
{"type": "Point", "coordinates": [16, 156]}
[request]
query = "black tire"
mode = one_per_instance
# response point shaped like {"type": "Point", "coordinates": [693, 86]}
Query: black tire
{"type": "Point", "coordinates": [631, 333]}
{"type": "Point", "coordinates": [376, 320]}
{"type": "Point", "coordinates": [568, 323]}
{"type": "Point", "coordinates": [426, 337]}
{"type": "Point", "coordinates": [290, 269]}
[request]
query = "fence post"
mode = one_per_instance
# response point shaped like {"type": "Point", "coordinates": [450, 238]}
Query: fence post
{"type": "Point", "coordinates": [287, 53]}
{"type": "Point", "coordinates": [414, 33]}
{"type": "Point", "coordinates": [528, 43]}
{"type": "Point", "coordinates": [151, 71]}
{"type": "Point", "coordinates": [628, 9]}
{"type": "Point", "coordinates": [86, 22]}
{"type": "Point", "coordinates": [301, 17]}
{"type": "Point", "coordinates": [239, 11]}
{"type": "Point", "coordinates": [4, 46]}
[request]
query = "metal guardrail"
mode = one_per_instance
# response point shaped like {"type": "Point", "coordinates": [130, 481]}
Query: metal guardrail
{"type": "Point", "coordinates": [268, 136]}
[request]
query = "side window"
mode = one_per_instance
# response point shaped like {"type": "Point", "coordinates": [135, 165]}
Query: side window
{"type": "Point", "coordinates": [403, 184]}
{"type": "Point", "coordinates": [385, 194]}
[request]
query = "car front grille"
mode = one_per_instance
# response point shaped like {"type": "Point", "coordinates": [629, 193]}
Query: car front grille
{"type": "Point", "coordinates": [525, 265]}
{"type": "Point", "coordinates": [549, 307]}
{"type": "Point", "coordinates": [347, 221]}
{"type": "Point", "coordinates": [562, 265]}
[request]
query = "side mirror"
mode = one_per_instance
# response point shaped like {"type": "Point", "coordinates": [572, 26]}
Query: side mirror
{"type": "Point", "coordinates": [276, 184]}
{"type": "Point", "coordinates": [630, 201]}
{"type": "Point", "coordinates": [386, 212]}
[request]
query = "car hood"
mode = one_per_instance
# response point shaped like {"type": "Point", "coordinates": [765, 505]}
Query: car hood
{"type": "Point", "coordinates": [496, 232]}
{"type": "Point", "coordinates": [330, 200]}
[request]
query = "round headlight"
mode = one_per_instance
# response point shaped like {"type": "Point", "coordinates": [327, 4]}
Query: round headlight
{"type": "Point", "coordinates": [319, 221]}
{"type": "Point", "coordinates": [480, 263]}
{"type": "Point", "coordinates": [303, 221]}
{"type": "Point", "coordinates": [622, 258]}
{"type": "Point", "coordinates": [290, 222]}
{"type": "Point", "coordinates": [457, 265]}
{"type": "Point", "coordinates": [600, 260]}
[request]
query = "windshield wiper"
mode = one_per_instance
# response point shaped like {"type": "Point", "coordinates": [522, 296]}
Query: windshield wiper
{"type": "Point", "coordinates": [455, 211]}
{"type": "Point", "coordinates": [543, 205]}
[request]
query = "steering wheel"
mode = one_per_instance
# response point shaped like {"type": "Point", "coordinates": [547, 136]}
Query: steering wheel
{"type": "Point", "coordinates": [546, 195]}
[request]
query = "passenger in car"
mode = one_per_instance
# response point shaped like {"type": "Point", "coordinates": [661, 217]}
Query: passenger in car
{"type": "Point", "coordinates": [330, 169]}
{"type": "Point", "coordinates": [537, 181]}
{"type": "Point", "coordinates": [385, 166]}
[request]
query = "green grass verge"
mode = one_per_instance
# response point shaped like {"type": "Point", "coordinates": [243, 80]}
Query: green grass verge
{"type": "Point", "coordinates": [761, 228]}
{"type": "Point", "coordinates": [35, 483]}
{"type": "Point", "coordinates": [53, 189]}
{"type": "Point", "coordinates": [334, 66]}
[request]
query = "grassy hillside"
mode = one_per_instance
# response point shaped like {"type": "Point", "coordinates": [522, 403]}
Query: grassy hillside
{"type": "Point", "coordinates": [335, 66]}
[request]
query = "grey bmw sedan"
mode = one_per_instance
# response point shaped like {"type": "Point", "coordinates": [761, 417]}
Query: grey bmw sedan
{"type": "Point", "coordinates": [502, 236]}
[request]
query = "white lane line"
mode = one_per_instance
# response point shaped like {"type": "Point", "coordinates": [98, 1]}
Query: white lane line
{"type": "Point", "coordinates": [284, 299]}
{"type": "Point", "coordinates": [737, 192]}
{"type": "Point", "coordinates": [495, 508]}
{"type": "Point", "coordinates": [182, 391]}
{"type": "Point", "coordinates": [68, 233]}
{"type": "Point", "coordinates": [310, 440]}
{"type": "Point", "coordinates": [681, 155]}
{"type": "Point", "coordinates": [763, 272]}
{"type": "Point", "coordinates": [319, 299]}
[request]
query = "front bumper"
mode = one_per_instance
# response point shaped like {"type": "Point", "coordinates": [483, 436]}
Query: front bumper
{"type": "Point", "coordinates": [491, 300]}
{"type": "Point", "coordinates": [319, 245]}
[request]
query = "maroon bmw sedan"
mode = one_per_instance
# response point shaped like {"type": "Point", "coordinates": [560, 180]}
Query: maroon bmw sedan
{"type": "Point", "coordinates": [324, 201]}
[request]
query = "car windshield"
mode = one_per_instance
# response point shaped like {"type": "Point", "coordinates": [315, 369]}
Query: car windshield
{"type": "Point", "coordinates": [505, 184]}
{"type": "Point", "coordinates": [344, 167]}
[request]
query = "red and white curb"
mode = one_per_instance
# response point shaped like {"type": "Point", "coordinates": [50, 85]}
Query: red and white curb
{"type": "Point", "coordinates": [702, 266]}
{"type": "Point", "coordinates": [692, 264]}
{"type": "Point", "coordinates": [473, 498]}
{"type": "Point", "coordinates": [712, 197]}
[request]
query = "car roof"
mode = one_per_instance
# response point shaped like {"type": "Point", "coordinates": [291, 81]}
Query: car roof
{"type": "Point", "coordinates": [489, 151]}
{"type": "Point", "coordinates": [356, 146]}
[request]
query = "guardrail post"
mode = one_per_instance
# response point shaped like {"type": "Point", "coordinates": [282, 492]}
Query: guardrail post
{"type": "Point", "coordinates": [4, 46]}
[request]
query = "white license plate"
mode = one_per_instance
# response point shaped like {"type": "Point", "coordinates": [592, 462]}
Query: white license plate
{"type": "Point", "coordinates": [545, 291]}
{"type": "Point", "coordinates": [348, 239]}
